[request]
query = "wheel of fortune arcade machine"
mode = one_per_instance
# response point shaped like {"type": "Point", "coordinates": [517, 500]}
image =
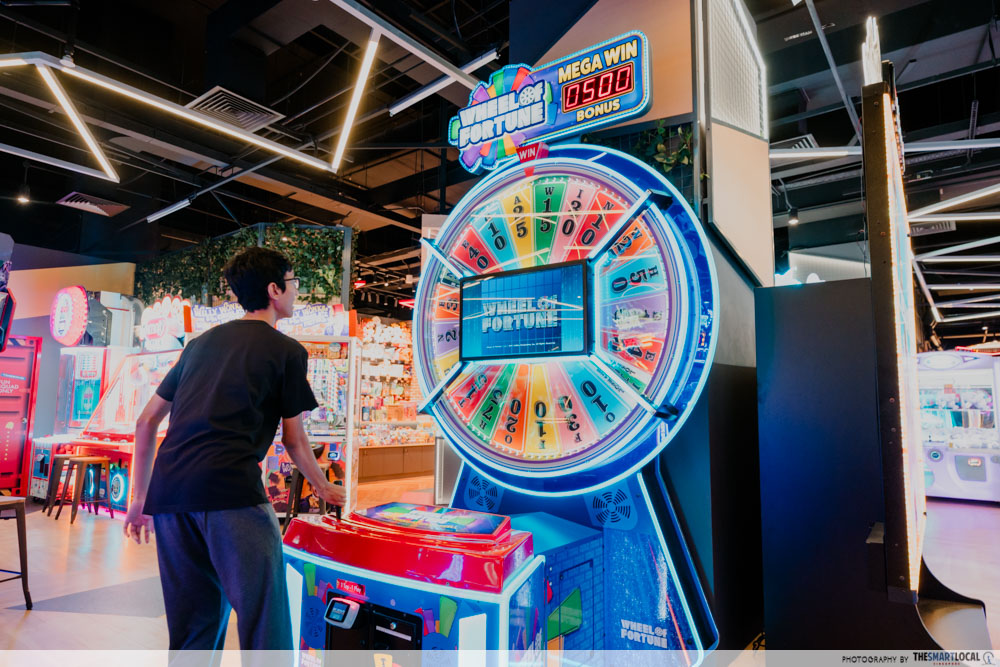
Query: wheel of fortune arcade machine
{"type": "Point", "coordinates": [563, 330]}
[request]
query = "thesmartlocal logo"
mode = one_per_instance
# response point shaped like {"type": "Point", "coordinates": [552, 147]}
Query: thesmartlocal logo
{"type": "Point", "coordinates": [955, 657]}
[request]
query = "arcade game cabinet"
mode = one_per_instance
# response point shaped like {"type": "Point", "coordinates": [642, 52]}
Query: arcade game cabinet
{"type": "Point", "coordinates": [842, 500]}
{"type": "Point", "coordinates": [334, 375]}
{"type": "Point", "coordinates": [961, 439]}
{"type": "Point", "coordinates": [111, 429]}
{"type": "Point", "coordinates": [97, 330]}
{"type": "Point", "coordinates": [564, 326]}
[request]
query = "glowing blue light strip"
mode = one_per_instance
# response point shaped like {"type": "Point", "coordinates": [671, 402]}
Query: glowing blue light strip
{"type": "Point", "coordinates": [532, 360]}
{"type": "Point", "coordinates": [436, 391]}
{"type": "Point", "coordinates": [673, 573]}
{"type": "Point", "coordinates": [640, 204]}
{"type": "Point", "coordinates": [293, 585]}
{"type": "Point", "coordinates": [686, 554]}
{"type": "Point", "coordinates": [458, 478]}
{"type": "Point", "coordinates": [625, 386]}
{"type": "Point", "coordinates": [430, 245]}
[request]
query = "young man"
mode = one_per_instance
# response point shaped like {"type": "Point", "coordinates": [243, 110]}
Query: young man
{"type": "Point", "coordinates": [218, 542]}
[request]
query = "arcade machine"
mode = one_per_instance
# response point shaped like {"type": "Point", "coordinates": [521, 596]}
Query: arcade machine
{"type": "Point", "coordinates": [961, 440]}
{"type": "Point", "coordinates": [334, 377]}
{"type": "Point", "coordinates": [564, 326]}
{"type": "Point", "coordinates": [842, 499]}
{"type": "Point", "coordinates": [97, 330]}
{"type": "Point", "coordinates": [111, 429]}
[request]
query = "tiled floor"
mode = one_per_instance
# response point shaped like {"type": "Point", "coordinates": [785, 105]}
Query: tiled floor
{"type": "Point", "coordinates": [93, 589]}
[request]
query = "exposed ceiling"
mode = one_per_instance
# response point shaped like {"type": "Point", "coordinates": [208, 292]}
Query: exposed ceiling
{"type": "Point", "coordinates": [945, 58]}
{"type": "Point", "coordinates": [299, 58]}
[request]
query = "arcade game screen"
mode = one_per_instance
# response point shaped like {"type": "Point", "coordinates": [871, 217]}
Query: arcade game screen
{"type": "Point", "coordinates": [81, 371]}
{"type": "Point", "coordinates": [529, 313]}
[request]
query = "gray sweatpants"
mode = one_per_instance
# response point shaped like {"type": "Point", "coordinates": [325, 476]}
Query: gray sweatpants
{"type": "Point", "coordinates": [211, 562]}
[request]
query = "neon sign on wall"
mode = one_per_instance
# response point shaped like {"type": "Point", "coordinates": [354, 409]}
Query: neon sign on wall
{"type": "Point", "coordinates": [68, 317]}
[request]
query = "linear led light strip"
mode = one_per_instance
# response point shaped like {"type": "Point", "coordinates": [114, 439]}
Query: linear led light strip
{"type": "Point", "coordinates": [352, 108]}
{"type": "Point", "coordinates": [193, 116]}
{"type": "Point", "coordinates": [912, 147]}
{"type": "Point", "coordinates": [983, 216]}
{"type": "Point", "coordinates": [78, 123]}
{"type": "Point", "coordinates": [46, 63]}
{"type": "Point", "coordinates": [902, 284]}
{"type": "Point", "coordinates": [107, 171]}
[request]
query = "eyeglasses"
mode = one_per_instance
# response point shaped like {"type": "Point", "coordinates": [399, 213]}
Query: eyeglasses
{"type": "Point", "coordinates": [293, 281]}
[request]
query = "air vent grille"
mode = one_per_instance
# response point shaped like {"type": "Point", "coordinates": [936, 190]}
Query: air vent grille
{"type": "Point", "coordinates": [804, 141]}
{"type": "Point", "coordinates": [937, 227]}
{"type": "Point", "coordinates": [482, 494]}
{"type": "Point", "coordinates": [92, 204]}
{"type": "Point", "coordinates": [612, 507]}
{"type": "Point", "coordinates": [234, 109]}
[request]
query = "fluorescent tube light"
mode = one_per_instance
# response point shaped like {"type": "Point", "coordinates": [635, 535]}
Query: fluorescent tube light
{"type": "Point", "coordinates": [352, 108]}
{"type": "Point", "coordinates": [173, 208]}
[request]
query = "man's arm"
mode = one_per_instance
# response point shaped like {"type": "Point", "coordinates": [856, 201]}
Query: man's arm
{"type": "Point", "coordinates": [142, 465]}
{"type": "Point", "coordinates": [297, 444]}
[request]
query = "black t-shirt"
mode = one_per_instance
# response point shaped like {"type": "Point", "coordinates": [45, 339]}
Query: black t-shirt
{"type": "Point", "coordinates": [229, 390]}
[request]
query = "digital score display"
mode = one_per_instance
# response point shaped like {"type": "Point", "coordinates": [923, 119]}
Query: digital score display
{"type": "Point", "coordinates": [537, 312]}
{"type": "Point", "coordinates": [598, 88]}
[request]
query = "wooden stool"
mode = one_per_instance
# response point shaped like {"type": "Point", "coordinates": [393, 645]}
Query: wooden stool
{"type": "Point", "coordinates": [17, 505]}
{"type": "Point", "coordinates": [55, 477]}
{"type": "Point", "coordinates": [80, 464]}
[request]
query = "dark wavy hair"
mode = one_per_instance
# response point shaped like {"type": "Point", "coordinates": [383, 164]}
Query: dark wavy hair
{"type": "Point", "coordinates": [250, 271]}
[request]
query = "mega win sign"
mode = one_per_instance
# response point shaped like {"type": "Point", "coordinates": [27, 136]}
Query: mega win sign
{"type": "Point", "coordinates": [598, 86]}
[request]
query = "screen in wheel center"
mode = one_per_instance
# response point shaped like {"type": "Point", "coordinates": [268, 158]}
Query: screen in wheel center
{"type": "Point", "coordinates": [537, 312]}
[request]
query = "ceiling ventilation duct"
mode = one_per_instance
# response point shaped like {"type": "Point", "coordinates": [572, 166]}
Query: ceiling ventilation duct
{"type": "Point", "coordinates": [234, 109]}
{"type": "Point", "coordinates": [92, 204]}
{"type": "Point", "coordinates": [936, 227]}
{"type": "Point", "coordinates": [804, 142]}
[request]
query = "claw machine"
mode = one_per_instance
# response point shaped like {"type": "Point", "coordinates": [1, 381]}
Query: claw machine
{"type": "Point", "coordinates": [333, 374]}
{"type": "Point", "coordinates": [97, 331]}
{"type": "Point", "coordinates": [111, 429]}
{"type": "Point", "coordinates": [961, 439]}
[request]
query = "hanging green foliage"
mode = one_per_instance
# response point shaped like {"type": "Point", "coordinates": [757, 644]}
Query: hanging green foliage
{"type": "Point", "coordinates": [662, 146]}
{"type": "Point", "coordinates": [316, 253]}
